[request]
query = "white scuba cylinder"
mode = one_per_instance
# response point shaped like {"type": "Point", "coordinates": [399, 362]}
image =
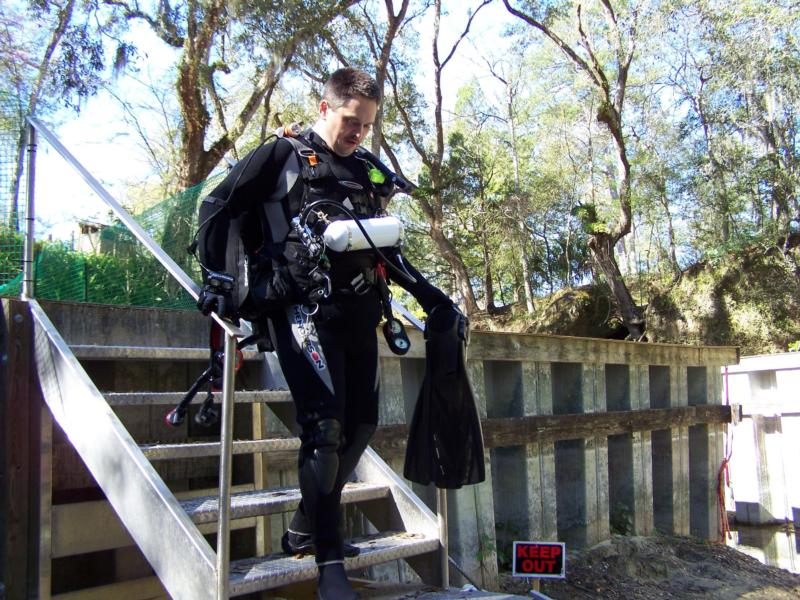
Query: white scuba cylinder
{"type": "Point", "coordinates": [344, 236]}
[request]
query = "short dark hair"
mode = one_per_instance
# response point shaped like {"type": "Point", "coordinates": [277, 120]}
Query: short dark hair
{"type": "Point", "coordinates": [348, 83]}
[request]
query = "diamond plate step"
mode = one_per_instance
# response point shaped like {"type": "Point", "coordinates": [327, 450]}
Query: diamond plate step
{"type": "Point", "coordinates": [172, 398]}
{"type": "Point", "coordinates": [255, 574]}
{"type": "Point", "coordinates": [266, 502]}
{"type": "Point", "coordinates": [201, 449]}
{"type": "Point", "coordinates": [98, 352]}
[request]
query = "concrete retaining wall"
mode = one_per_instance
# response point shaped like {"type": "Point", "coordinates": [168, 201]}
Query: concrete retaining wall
{"type": "Point", "coordinates": [574, 490]}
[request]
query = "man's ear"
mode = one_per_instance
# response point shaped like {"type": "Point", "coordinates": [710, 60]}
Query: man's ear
{"type": "Point", "coordinates": [324, 107]}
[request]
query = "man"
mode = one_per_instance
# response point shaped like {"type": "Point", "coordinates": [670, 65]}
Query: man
{"type": "Point", "coordinates": [322, 310]}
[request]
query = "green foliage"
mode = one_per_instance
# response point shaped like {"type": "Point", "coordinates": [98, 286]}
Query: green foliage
{"type": "Point", "coordinates": [11, 247]}
{"type": "Point", "coordinates": [135, 279]}
{"type": "Point", "coordinates": [620, 519]}
{"type": "Point", "coordinates": [751, 299]}
{"type": "Point", "coordinates": [529, 172]}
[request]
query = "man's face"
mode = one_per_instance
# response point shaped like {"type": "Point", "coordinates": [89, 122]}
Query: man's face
{"type": "Point", "coordinates": [344, 128]}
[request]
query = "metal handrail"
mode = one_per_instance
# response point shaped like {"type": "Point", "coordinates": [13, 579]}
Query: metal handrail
{"type": "Point", "coordinates": [231, 331]}
{"type": "Point", "coordinates": [152, 515]}
{"type": "Point", "coordinates": [27, 265]}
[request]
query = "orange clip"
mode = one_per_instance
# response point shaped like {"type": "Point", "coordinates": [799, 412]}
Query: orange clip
{"type": "Point", "coordinates": [312, 160]}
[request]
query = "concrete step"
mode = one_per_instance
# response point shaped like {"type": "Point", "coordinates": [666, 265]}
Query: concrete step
{"type": "Point", "coordinates": [262, 573]}
{"type": "Point", "coordinates": [202, 449]}
{"type": "Point", "coordinates": [266, 502]}
{"type": "Point", "coordinates": [103, 352]}
{"type": "Point", "coordinates": [173, 398]}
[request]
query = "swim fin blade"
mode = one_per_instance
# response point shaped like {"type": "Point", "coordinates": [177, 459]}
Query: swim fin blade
{"type": "Point", "coordinates": [445, 442]}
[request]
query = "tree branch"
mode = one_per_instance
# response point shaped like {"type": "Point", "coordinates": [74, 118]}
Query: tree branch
{"type": "Point", "coordinates": [565, 48]}
{"type": "Point", "coordinates": [464, 33]}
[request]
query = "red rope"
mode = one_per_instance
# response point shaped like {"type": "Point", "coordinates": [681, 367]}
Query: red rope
{"type": "Point", "coordinates": [724, 475]}
{"type": "Point", "coordinates": [723, 478]}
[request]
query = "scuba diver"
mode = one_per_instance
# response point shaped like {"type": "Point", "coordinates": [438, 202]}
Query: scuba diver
{"type": "Point", "coordinates": [268, 256]}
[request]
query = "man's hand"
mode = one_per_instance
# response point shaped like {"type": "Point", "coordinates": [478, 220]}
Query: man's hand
{"type": "Point", "coordinates": [216, 294]}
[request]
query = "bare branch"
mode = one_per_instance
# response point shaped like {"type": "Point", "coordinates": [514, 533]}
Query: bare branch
{"type": "Point", "coordinates": [597, 69]}
{"type": "Point", "coordinates": [565, 48]}
{"type": "Point", "coordinates": [464, 33]}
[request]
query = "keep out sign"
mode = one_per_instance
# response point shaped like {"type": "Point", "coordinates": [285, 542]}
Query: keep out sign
{"type": "Point", "coordinates": [539, 559]}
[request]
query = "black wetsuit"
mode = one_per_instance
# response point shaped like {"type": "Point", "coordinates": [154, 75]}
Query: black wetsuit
{"type": "Point", "coordinates": [338, 417]}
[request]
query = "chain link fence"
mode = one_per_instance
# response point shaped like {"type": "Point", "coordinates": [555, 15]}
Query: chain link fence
{"type": "Point", "coordinates": [12, 191]}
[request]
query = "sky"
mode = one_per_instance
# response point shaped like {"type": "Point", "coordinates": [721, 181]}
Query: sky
{"type": "Point", "coordinates": [106, 146]}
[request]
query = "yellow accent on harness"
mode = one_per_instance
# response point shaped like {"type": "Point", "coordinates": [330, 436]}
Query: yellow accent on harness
{"type": "Point", "coordinates": [375, 175]}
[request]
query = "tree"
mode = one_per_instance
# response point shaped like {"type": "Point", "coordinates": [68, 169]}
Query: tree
{"type": "Point", "coordinates": [27, 75]}
{"type": "Point", "coordinates": [248, 46]}
{"type": "Point", "coordinates": [609, 79]}
{"type": "Point", "coordinates": [733, 69]}
{"type": "Point", "coordinates": [430, 194]}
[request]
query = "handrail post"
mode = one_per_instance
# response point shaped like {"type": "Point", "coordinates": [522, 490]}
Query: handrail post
{"type": "Point", "coordinates": [441, 494]}
{"type": "Point", "coordinates": [226, 451]}
{"type": "Point", "coordinates": [27, 260]}
{"type": "Point", "coordinates": [444, 551]}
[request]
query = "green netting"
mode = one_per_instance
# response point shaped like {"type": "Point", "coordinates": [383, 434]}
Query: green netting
{"type": "Point", "coordinates": [12, 189]}
{"type": "Point", "coordinates": [116, 268]}
{"type": "Point", "coordinates": [101, 263]}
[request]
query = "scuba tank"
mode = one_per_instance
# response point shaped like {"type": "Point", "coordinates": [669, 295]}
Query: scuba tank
{"type": "Point", "coordinates": [345, 235]}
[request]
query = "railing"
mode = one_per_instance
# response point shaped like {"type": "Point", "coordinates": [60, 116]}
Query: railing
{"type": "Point", "coordinates": [108, 450]}
{"type": "Point", "coordinates": [231, 331]}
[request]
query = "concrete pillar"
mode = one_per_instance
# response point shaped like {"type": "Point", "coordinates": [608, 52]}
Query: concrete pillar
{"type": "Point", "coordinates": [630, 454]}
{"type": "Point", "coordinates": [773, 502]}
{"type": "Point", "coordinates": [596, 465]}
{"type": "Point", "coordinates": [642, 454]}
{"type": "Point", "coordinates": [524, 476]}
{"type": "Point", "coordinates": [705, 456]}
{"type": "Point", "coordinates": [571, 518]}
{"type": "Point", "coordinates": [471, 511]}
{"type": "Point", "coordinates": [621, 488]}
{"type": "Point", "coordinates": [774, 548]}
{"type": "Point", "coordinates": [671, 454]}
{"type": "Point", "coordinates": [582, 465]}
{"type": "Point", "coordinates": [540, 471]}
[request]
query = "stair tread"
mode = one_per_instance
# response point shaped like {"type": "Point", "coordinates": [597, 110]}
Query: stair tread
{"type": "Point", "coordinates": [200, 449]}
{"type": "Point", "coordinates": [172, 398]}
{"type": "Point", "coordinates": [111, 352]}
{"type": "Point", "coordinates": [270, 501]}
{"type": "Point", "coordinates": [275, 570]}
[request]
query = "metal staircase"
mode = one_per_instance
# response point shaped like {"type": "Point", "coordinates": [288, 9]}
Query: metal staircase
{"type": "Point", "coordinates": [168, 531]}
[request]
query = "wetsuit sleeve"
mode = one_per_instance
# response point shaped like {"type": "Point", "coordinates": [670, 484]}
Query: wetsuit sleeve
{"type": "Point", "coordinates": [428, 295]}
{"type": "Point", "coordinates": [249, 183]}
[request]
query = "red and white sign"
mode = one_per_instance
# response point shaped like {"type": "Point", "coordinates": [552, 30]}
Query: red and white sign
{"type": "Point", "coordinates": [539, 559]}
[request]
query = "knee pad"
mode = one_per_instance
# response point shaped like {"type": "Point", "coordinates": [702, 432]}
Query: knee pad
{"type": "Point", "coordinates": [323, 458]}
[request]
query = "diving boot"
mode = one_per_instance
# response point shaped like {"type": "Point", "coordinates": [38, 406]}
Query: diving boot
{"type": "Point", "coordinates": [332, 583]}
{"type": "Point", "coordinates": [300, 543]}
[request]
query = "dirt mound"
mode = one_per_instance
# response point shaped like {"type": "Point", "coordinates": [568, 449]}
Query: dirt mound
{"type": "Point", "coordinates": [664, 568]}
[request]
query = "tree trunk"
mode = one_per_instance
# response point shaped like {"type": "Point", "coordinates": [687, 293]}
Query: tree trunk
{"type": "Point", "coordinates": [487, 277]}
{"type": "Point", "coordinates": [460, 272]}
{"type": "Point", "coordinates": [602, 247]}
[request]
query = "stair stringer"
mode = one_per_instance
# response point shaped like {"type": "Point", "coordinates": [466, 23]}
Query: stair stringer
{"type": "Point", "coordinates": [172, 544]}
{"type": "Point", "coordinates": [407, 513]}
